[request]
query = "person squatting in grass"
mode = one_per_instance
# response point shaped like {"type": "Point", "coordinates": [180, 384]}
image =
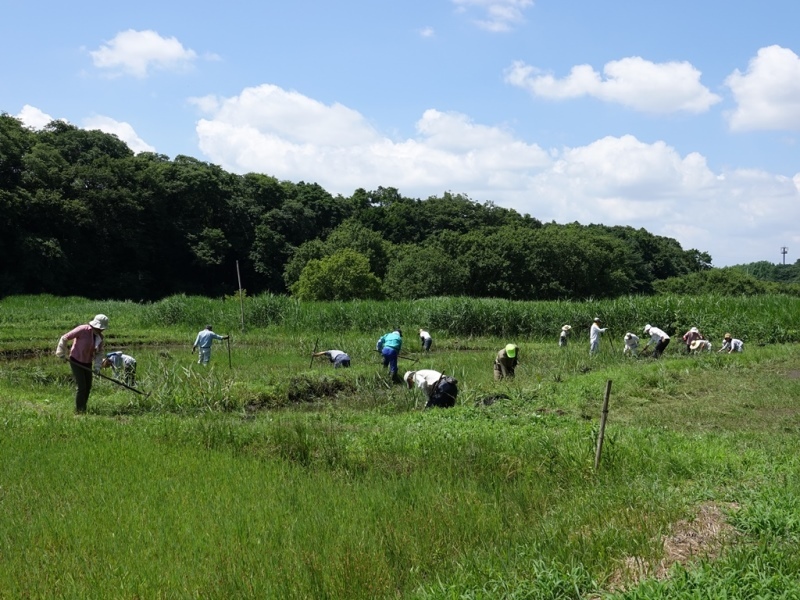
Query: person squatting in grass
{"type": "Point", "coordinates": [122, 366]}
{"type": "Point", "coordinates": [440, 389]}
{"type": "Point", "coordinates": [731, 344]}
{"type": "Point", "coordinates": [389, 345]}
{"type": "Point", "coordinates": [425, 339]}
{"type": "Point", "coordinates": [594, 336]}
{"type": "Point", "coordinates": [690, 337]}
{"type": "Point", "coordinates": [505, 362]}
{"type": "Point", "coordinates": [87, 346]}
{"type": "Point", "coordinates": [203, 343]}
{"type": "Point", "coordinates": [700, 346]}
{"type": "Point", "coordinates": [657, 337]}
{"type": "Point", "coordinates": [631, 344]}
{"type": "Point", "coordinates": [337, 357]}
{"type": "Point", "coordinates": [563, 337]}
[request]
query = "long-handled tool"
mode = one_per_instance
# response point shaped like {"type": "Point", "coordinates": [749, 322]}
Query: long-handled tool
{"type": "Point", "coordinates": [416, 360]}
{"type": "Point", "coordinates": [111, 379]}
{"type": "Point", "coordinates": [230, 366]}
{"type": "Point", "coordinates": [314, 351]}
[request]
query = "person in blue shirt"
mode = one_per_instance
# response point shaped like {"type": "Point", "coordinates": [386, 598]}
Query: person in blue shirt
{"type": "Point", "coordinates": [203, 342]}
{"type": "Point", "coordinates": [389, 346]}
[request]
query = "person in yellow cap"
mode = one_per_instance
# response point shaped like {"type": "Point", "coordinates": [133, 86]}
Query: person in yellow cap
{"type": "Point", "coordinates": [505, 362]}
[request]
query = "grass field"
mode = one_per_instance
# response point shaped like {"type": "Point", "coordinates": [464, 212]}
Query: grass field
{"type": "Point", "coordinates": [275, 476]}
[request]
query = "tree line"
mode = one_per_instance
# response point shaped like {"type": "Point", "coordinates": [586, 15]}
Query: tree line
{"type": "Point", "coordinates": [86, 216]}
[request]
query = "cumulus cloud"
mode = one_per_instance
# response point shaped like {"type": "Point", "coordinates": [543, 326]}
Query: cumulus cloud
{"type": "Point", "coordinates": [286, 134]}
{"type": "Point", "coordinates": [735, 215]}
{"type": "Point", "coordinates": [633, 82]}
{"type": "Point", "coordinates": [768, 93]}
{"type": "Point", "coordinates": [500, 15]}
{"type": "Point", "coordinates": [121, 129]}
{"type": "Point", "coordinates": [138, 53]}
{"type": "Point", "coordinates": [33, 117]}
{"type": "Point", "coordinates": [427, 32]}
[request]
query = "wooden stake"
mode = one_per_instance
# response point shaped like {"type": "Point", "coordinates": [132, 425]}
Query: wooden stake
{"type": "Point", "coordinates": [603, 418]}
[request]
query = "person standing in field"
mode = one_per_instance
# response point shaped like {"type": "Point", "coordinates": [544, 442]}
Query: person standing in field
{"type": "Point", "coordinates": [203, 341]}
{"type": "Point", "coordinates": [441, 390]}
{"type": "Point", "coordinates": [594, 336]}
{"type": "Point", "coordinates": [631, 344]}
{"type": "Point", "coordinates": [122, 365]}
{"type": "Point", "coordinates": [690, 336]}
{"type": "Point", "coordinates": [562, 338]}
{"type": "Point", "coordinates": [337, 357]}
{"type": "Point", "coordinates": [731, 344]}
{"type": "Point", "coordinates": [389, 345]}
{"type": "Point", "coordinates": [87, 348]}
{"type": "Point", "coordinates": [505, 362]}
{"type": "Point", "coordinates": [657, 337]}
{"type": "Point", "coordinates": [425, 339]}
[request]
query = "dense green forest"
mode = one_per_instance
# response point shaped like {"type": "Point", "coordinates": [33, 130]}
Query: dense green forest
{"type": "Point", "coordinates": [86, 216]}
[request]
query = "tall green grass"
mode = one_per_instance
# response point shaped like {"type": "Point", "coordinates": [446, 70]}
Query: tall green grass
{"type": "Point", "coordinates": [765, 319]}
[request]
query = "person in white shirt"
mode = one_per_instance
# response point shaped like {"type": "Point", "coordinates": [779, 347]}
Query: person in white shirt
{"type": "Point", "coordinates": [631, 344]}
{"type": "Point", "coordinates": [731, 344]}
{"type": "Point", "coordinates": [594, 336]}
{"type": "Point", "coordinates": [337, 357]}
{"type": "Point", "coordinates": [440, 389]}
{"type": "Point", "coordinates": [657, 337]}
{"type": "Point", "coordinates": [425, 339]}
{"type": "Point", "coordinates": [203, 342]}
{"type": "Point", "coordinates": [122, 366]}
{"type": "Point", "coordinates": [563, 337]}
{"type": "Point", "coordinates": [700, 346]}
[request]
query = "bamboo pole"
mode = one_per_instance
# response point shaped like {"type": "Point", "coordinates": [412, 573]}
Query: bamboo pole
{"type": "Point", "coordinates": [602, 434]}
{"type": "Point", "coordinates": [241, 299]}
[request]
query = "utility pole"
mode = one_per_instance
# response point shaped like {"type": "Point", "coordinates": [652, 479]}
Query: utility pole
{"type": "Point", "coordinates": [784, 250]}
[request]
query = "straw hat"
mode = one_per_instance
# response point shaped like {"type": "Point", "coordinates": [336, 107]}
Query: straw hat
{"type": "Point", "coordinates": [566, 328]}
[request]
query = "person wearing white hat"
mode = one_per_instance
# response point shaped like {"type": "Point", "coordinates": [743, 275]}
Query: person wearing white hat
{"type": "Point", "coordinates": [563, 337]}
{"type": "Point", "coordinates": [122, 366]}
{"type": "Point", "coordinates": [505, 362]}
{"type": "Point", "coordinates": [594, 336]}
{"type": "Point", "coordinates": [692, 336]}
{"type": "Point", "coordinates": [441, 390]}
{"type": "Point", "coordinates": [87, 348]}
{"type": "Point", "coordinates": [425, 339]}
{"type": "Point", "coordinates": [657, 337]}
{"type": "Point", "coordinates": [631, 344]}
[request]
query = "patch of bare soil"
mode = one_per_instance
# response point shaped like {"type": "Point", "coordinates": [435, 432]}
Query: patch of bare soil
{"type": "Point", "coordinates": [793, 374]}
{"type": "Point", "coordinates": [702, 537]}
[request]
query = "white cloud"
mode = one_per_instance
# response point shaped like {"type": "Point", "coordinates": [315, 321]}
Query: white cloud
{"type": "Point", "coordinates": [633, 82]}
{"type": "Point", "coordinates": [737, 215]}
{"type": "Point", "coordinates": [122, 130]}
{"type": "Point", "coordinates": [33, 117]}
{"type": "Point", "coordinates": [768, 94]}
{"type": "Point", "coordinates": [139, 52]}
{"type": "Point", "coordinates": [288, 135]}
{"type": "Point", "coordinates": [501, 15]}
{"type": "Point", "coordinates": [426, 32]}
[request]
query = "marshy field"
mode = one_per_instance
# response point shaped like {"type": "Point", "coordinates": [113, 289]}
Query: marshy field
{"type": "Point", "coordinates": [268, 474]}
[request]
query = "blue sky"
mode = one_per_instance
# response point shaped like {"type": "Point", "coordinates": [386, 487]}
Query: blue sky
{"type": "Point", "coordinates": [679, 117]}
